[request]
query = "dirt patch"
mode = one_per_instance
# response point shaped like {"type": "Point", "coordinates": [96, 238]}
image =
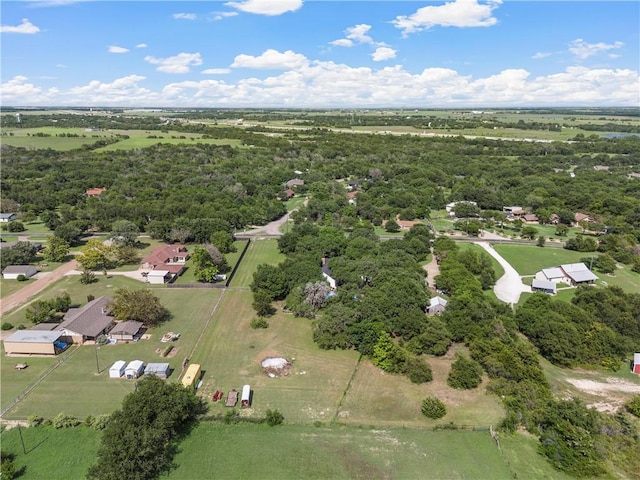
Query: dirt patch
{"type": "Point", "coordinates": [599, 388]}
{"type": "Point", "coordinates": [276, 367]}
{"type": "Point", "coordinates": [614, 392]}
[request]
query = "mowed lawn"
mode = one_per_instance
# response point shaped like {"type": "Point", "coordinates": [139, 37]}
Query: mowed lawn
{"type": "Point", "coordinates": [75, 387]}
{"type": "Point", "coordinates": [527, 260]}
{"type": "Point", "coordinates": [259, 252]}
{"type": "Point", "coordinates": [294, 451]}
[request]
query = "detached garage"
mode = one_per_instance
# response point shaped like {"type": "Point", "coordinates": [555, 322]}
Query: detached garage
{"type": "Point", "coordinates": [34, 342]}
{"type": "Point", "coordinates": [12, 272]}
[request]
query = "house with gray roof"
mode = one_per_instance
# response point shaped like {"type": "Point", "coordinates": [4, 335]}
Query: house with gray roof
{"type": "Point", "coordinates": [553, 274]}
{"type": "Point", "coordinates": [127, 331]}
{"type": "Point", "coordinates": [7, 217]}
{"type": "Point", "coordinates": [544, 286]}
{"type": "Point", "coordinates": [89, 322]}
{"type": "Point", "coordinates": [12, 272]}
{"type": "Point", "coordinates": [578, 273]}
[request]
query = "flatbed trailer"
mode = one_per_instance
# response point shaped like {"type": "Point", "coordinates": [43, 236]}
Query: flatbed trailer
{"type": "Point", "coordinates": [232, 398]}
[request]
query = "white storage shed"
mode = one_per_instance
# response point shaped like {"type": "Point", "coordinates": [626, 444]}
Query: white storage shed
{"type": "Point", "coordinates": [117, 369]}
{"type": "Point", "coordinates": [134, 369]}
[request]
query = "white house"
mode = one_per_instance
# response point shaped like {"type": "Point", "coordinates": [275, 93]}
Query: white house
{"type": "Point", "coordinates": [7, 217]}
{"type": "Point", "coordinates": [12, 272]}
{"type": "Point", "coordinates": [117, 369]}
{"type": "Point", "coordinates": [134, 369]}
{"type": "Point", "coordinates": [578, 273]}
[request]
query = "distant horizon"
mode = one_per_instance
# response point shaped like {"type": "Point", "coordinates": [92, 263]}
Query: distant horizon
{"type": "Point", "coordinates": [442, 54]}
{"type": "Point", "coordinates": [480, 109]}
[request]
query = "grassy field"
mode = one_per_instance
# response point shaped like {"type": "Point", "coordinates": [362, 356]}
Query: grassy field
{"type": "Point", "coordinates": [527, 260]}
{"type": "Point", "coordinates": [260, 251]}
{"type": "Point", "coordinates": [293, 452]}
{"type": "Point", "coordinates": [143, 141]}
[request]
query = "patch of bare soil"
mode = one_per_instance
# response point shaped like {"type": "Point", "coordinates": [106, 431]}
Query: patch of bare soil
{"type": "Point", "coordinates": [614, 392]}
{"type": "Point", "coordinates": [276, 367]}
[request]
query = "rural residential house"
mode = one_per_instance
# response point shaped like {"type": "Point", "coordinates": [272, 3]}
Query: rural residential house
{"type": "Point", "coordinates": [437, 305]}
{"type": "Point", "coordinates": [89, 322]}
{"type": "Point", "coordinates": [7, 217]}
{"type": "Point", "coordinates": [578, 273]}
{"type": "Point", "coordinates": [12, 272]}
{"type": "Point", "coordinates": [167, 258]}
{"type": "Point", "coordinates": [553, 274]}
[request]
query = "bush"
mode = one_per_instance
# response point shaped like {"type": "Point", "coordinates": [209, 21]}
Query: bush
{"type": "Point", "coordinates": [259, 323]}
{"type": "Point", "coordinates": [633, 406]}
{"type": "Point", "coordinates": [100, 422]}
{"type": "Point", "coordinates": [274, 417]}
{"type": "Point", "coordinates": [21, 327]}
{"type": "Point", "coordinates": [6, 326]}
{"type": "Point", "coordinates": [21, 278]}
{"type": "Point", "coordinates": [35, 420]}
{"type": "Point", "coordinates": [465, 373]}
{"type": "Point", "coordinates": [62, 420]}
{"type": "Point", "coordinates": [433, 407]}
{"type": "Point", "coordinates": [167, 350]}
{"type": "Point", "coordinates": [418, 371]}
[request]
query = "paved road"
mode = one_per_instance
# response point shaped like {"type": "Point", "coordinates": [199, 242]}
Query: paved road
{"type": "Point", "coordinates": [509, 286]}
{"type": "Point", "coordinates": [19, 298]}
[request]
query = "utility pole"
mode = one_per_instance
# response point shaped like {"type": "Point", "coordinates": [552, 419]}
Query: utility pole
{"type": "Point", "coordinates": [97, 363]}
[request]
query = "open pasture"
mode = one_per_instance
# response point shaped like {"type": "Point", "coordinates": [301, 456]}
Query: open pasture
{"type": "Point", "coordinates": [297, 451]}
{"type": "Point", "coordinates": [527, 260]}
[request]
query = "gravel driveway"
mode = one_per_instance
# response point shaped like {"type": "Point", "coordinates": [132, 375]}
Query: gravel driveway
{"type": "Point", "coordinates": [509, 286]}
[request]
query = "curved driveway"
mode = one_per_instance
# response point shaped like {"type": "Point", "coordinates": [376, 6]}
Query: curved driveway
{"type": "Point", "coordinates": [509, 286]}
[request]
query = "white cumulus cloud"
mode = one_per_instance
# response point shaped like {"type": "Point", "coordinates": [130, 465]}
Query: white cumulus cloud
{"type": "Point", "coordinates": [180, 63]}
{"type": "Point", "coordinates": [220, 15]}
{"type": "Point", "coordinates": [383, 53]}
{"type": "Point", "coordinates": [266, 7]}
{"type": "Point", "coordinates": [216, 71]}
{"type": "Point", "coordinates": [458, 13]}
{"type": "Point", "coordinates": [539, 55]}
{"type": "Point", "coordinates": [583, 50]}
{"type": "Point", "coordinates": [117, 49]}
{"type": "Point", "coordinates": [185, 16]}
{"type": "Point", "coordinates": [354, 35]}
{"type": "Point", "coordinates": [26, 27]}
{"type": "Point", "coordinates": [272, 60]}
{"type": "Point", "coordinates": [142, 45]}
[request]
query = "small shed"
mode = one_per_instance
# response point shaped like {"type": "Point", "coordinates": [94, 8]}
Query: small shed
{"type": "Point", "coordinates": [160, 370]}
{"type": "Point", "coordinates": [158, 277]}
{"type": "Point", "coordinates": [635, 364]}
{"type": "Point", "coordinates": [245, 399]}
{"type": "Point", "coordinates": [117, 369]}
{"type": "Point", "coordinates": [134, 369]}
{"type": "Point", "coordinates": [12, 272]}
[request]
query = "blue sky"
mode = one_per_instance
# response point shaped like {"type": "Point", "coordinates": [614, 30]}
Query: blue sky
{"type": "Point", "coordinates": [312, 53]}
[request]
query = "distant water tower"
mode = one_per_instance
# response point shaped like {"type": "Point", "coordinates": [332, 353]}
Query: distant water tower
{"type": "Point", "coordinates": [18, 118]}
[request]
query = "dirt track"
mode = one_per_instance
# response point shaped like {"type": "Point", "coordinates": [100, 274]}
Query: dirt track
{"type": "Point", "coordinates": [21, 297]}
